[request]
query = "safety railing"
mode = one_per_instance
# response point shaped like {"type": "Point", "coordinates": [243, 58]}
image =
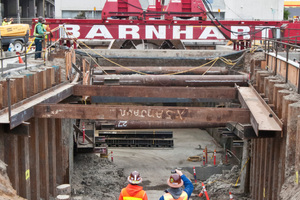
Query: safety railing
{"type": "Point", "coordinates": [280, 61]}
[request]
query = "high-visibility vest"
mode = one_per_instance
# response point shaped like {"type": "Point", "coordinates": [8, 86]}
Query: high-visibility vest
{"type": "Point", "coordinates": [138, 196]}
{"type": "Point", "coordinates": [4, 23]}
{"type": "Point", "coordinates": [38, 34]}
{"type": "Point", "coordinates": [183, 196]}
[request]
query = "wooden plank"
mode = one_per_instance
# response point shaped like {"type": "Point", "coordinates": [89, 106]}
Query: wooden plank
{"type": "Point", "coordinates": [277, 168]}
{"type": "Point", "coordinates": [256, 191]}
{"type": "Point", "coordinates": [267, 155]}
{"type": "Point", "coordinates": [252, 169]}
{"type": "Point", "coordinates": [24, 167]}
{"type": "Point", "coordinates": [12, 160]}
{"type": "Point", "coordinates": [2, 147]}
{"type": "Point", "coordinates": [44, 75]}
{"type": "Point", "coordinates": [40, 81]}
{"type": "Point", "coordinates": [13, 91]}
{"type": "Point", "coordinates": [19, 88]}
{"type": "Point", "coordinates": [66, 128]}
{"type": "Point", "coordinates": [34, 159]}
{"type": "Point", "coordinates": [261, 170]}
{"type": "Point", "coordinates": [270, 167]}
{"type": "Point", "coordinates": [293, 112]}
{"type": "Point", "coordinates": [44, 158]}
{"type": "Point", "coordinates": [52, 156]}
{"type": "Point", "coordinates": [1, 96]}
{"type": "Point", "coordinates": [4, 92]}
{"type": "Point", "coordinates": [48, 77]}
{"type": "Point", "coordinates": [52, 75]}
{"type": "Point", "coordinates": [58, 147]}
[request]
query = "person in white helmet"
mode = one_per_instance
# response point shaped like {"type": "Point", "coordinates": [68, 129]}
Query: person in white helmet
{"type": "Point", "coordinates": [176, 192]}
{"type": "Point", "coordinates": [133, 191]}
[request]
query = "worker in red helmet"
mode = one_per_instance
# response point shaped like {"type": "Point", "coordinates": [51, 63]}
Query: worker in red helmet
{"type": "Point", "coordinates": [133, 191]}
{"type": "Point", "coordinates": [176, 181]}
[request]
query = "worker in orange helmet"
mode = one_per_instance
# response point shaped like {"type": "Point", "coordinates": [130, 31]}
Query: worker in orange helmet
{"type": "Point", "coordinates": [175, 191]}
{"type": "Point", "coordinates": [133, 191]}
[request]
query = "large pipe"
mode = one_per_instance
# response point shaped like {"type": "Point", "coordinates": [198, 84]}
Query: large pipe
{"type": "Point", "coordinates": [162, 70]}
{"type": "Point", "coordinates": [171, 80]}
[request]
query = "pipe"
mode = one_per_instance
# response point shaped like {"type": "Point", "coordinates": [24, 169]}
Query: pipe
{"type": "Point", "coordinates": [163, 70]}
{"type": "Point", "coordinates": [171, 80]}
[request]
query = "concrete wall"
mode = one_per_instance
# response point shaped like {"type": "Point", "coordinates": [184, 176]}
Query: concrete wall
{"type": "Point", "coordinates": [255, 9]}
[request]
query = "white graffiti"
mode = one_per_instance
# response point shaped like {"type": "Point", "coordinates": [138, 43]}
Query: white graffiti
{"type": "Point", "coordinates": [152, 113]}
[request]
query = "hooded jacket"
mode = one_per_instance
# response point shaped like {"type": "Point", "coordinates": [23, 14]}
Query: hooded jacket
{"type": "Point", "coordinates": [133, 191]}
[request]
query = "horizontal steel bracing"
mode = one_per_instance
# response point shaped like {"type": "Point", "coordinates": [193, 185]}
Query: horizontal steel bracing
{"type": "Point", "coordinates": [199, 115]}
{"type": "Point", "coordinates": [158, 92]}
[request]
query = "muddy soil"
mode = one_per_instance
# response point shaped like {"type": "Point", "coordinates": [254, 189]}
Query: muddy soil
{"type": "Point", "coordinates": [96, 178]}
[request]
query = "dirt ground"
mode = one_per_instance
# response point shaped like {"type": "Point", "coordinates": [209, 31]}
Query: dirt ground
{"type": "Point", "coordinates": [100, 178]}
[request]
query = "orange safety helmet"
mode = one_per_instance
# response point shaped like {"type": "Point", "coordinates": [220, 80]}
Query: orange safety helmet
{"type": "Point", "coordinates": [134, 178]}
{"type": "Point", "coordinates": [175, 181]}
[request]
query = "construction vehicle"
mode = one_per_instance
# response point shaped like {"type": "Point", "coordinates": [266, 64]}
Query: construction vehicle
{"type": "Point", "coordinates": [164, 26]}
{"type": "Point", "coordinates": [15, 34]}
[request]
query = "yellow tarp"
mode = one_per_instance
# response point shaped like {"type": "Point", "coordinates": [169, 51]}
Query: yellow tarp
{"type": "Point", "coordinates": [14, 30]}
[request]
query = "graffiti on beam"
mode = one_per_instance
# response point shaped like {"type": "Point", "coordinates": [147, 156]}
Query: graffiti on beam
{"type": "Point", "coordinates": [122, 124]}
{"type": "Point", "coordinates": [180, 114]}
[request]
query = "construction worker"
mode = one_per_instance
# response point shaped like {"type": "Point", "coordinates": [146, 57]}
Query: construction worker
{"type": "Point", "coordinates": [39, 33]}
{"type": "Point", "coordinates": [175, 191]}
{"type": "Point", "coordinates": [4, 21]}
{"type": "Point", "coordinates": [11, 20]}
{"type": "Point", "coordinates": [133, 191]}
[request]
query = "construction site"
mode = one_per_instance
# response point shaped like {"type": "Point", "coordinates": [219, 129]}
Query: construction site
{"type": "Point", "coordinates": [169, 88]}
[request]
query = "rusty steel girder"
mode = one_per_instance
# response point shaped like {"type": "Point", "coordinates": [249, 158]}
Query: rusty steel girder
{"type": "Point", "coordinates": [220, 93]}
{"type": "Point", "coordinates": [134, 124]}
{"type": "Point", "coordinates": [194, 115]}
{"type": "Point", "coordinates": [162, 70]}
{"type": "Point", "coordinates": [171, 80]}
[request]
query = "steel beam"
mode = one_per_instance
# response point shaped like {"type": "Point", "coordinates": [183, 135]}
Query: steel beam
{"type": "Point", "coordinates": [158, 92]}
{"type": "Point", "coordinates": [171, 80]}
{"type": "Point", "coordinates": [162, 70]}
{"type": "Point", "coordinates": [23, 110]}
{"type": "Point", "coordinates": [145, 114]}
{"type": "Point", "coordinates": [262, 118]}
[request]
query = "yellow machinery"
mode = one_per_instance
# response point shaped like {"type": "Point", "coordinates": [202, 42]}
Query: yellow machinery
{"type": "Point", "coordinates": [17, 34]}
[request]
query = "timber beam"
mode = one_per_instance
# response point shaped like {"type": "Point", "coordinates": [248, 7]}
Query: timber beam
{"type": "Point", "coordinates": [197, 115]}
{"type": "Point", "coordinates": [220, 93]}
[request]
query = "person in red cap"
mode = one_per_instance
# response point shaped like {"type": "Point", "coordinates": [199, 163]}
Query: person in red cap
{"type": "Point", "coordinates": [133, 191]}
{"type": "Point", "coordinates": [176, 181]}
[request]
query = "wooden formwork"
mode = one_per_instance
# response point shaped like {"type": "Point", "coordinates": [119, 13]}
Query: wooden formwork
{"type": "Point", "coordinates": [28, 84]}
{"type": "Point", "coordinates": [274, 159]}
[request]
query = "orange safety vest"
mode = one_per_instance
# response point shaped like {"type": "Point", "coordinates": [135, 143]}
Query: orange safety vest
{"type": "Point", "coordinates": [138, 196]}
{"type": "Point", "coordinates": [183, 196]}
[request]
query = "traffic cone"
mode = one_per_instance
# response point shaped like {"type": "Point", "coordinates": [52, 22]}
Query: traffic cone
{"type": "Point", "coordinates": [230, 196]}
{"type": "Point", "coordinates": [205, 192]}
{"type": "Point", "coordinates": [201, 193]}
{"type": "Point", "coordinates": [20, 59]}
